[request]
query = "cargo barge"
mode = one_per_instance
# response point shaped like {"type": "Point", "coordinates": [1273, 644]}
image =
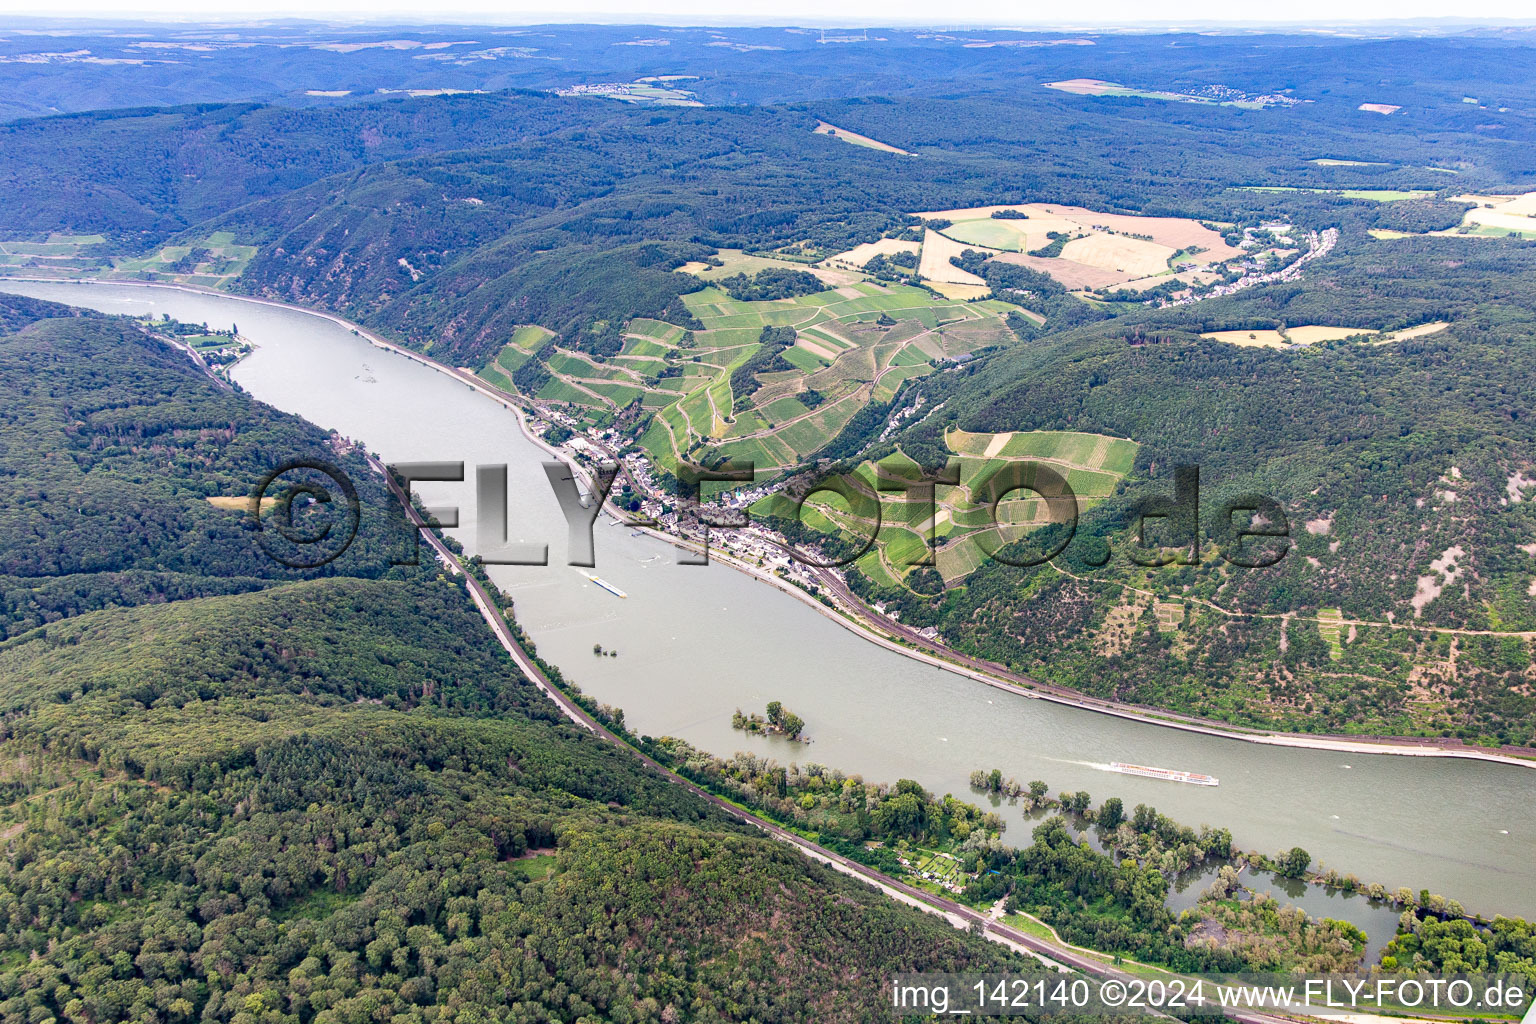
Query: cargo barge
{"type": "Point", "coordinates": [615, 591]}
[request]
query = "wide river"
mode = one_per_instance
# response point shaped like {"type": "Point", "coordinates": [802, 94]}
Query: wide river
{"type": "Point", "coordinates": [696, 643]}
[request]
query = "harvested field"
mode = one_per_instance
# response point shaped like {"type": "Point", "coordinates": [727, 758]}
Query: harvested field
{"type": "Point", "coordinates": [735, 261]}
{"type": "Point", "coordinates": [1014, 235]}
{"type": "Point", "coordinates": [1186, 277]}
{"type": "Point", "coordinates": [1070, 274]}
{"type": "Point", "coordinates": [1407, 333]}
{"type": "Point", "coordinates": [1086, 86]}
{"type": "Point", "coordinates": [1132, 257]}
{"type": "Point", "coordinates": [1310, 334]}
{"type": "Point", "coordinates": [1248, 339]}
{"type": "Point", "coordinates": [1113, 249]}
{"type": "Point", "coordinates": [823, 128]}
{"type": "Point", "coordinates": [238, 502]}
{"type": "Point", "coordinates": [1177, 232]}
{"type": "Point", "coordinates": [935, 265]}
{"type": "Point", "coordinates": [1502, 213]}
{"type": "Point", "coordinates": [859, 255]}
{"type": "Point", "coordinates": [961, 291]}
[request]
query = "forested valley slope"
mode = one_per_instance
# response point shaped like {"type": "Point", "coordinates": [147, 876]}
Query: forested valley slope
{"type": "Point", "coordinates": [608, 262]}
{"type": "Point", "coordinates": [237, 792]}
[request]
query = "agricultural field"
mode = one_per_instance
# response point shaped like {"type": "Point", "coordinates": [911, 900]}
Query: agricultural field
{"type": "Point", "coordinates": [1330, 625]}
{"type": "Point", "coordinates": [1291, 337]}
{"type": "Point", "coordinates": [852, 344]}
{"type": "Point", "coordinates": [1313, 334]}
{"type": "Point", "coordinates": [1219, 95]}
{"type": "Point", "coordinates": [961, 524]}
{"type": "Point", "coordinates": [55, 255]}
{"type": "Point", "coordinates": [526, 340]}
{"type": "Point", "coordinates": [823, 128]}
{"type": "Point", "coordinates": [1081, 249]}
{"type": "Point", "coordinates": [1487, 216]}
{"type": "Point", "coordinates": [655, 91]}
{"type": "Point", "coordinates": [842, 354]}
{"type": "Point", "coordinates": [1497, 216]}
{"type": "Point", "coordinates": [1098, 250]}
{"type": "Point", "coordinates": [1422, 330]}
{"type": "Point", "coordinates": [55, 246]}
{"type": "Point", "coordinates": [1099, 87]}
{"type": "Point", "coordinates": [1123, 254]}
{"type": "Point", "coordinates": [855, 258]}
{"type": "Point", "coordinates": [935, 266]}
{"type": "Point", "coordinates": [834, 272]}
{"type": "Point", "coordinates": [1377, 195]}
{"type": "Point", "coordinates": [213, 262]}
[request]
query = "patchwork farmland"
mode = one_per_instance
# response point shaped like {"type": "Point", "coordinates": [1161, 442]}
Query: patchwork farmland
{"type": "Point", "coordinates": [738, 386]}
{"type": "Point", "coordinates": [961, 522]}
{"type": "Point", "coordinates": [212, 262]}
{"type": "Point", "coordinates": [1080, 248]}
{"type": "Point", "coordinates": [852, 345]}
{"type": "Point", "coordinates": [1493, 216]}
{"type": "Point", "coordinates": [774, 381]}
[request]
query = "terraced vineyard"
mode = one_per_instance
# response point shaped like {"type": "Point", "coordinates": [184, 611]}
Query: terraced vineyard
{"type": "Point", "coordinates": [852, 345]}
{"type": "Point", "coordinates": [213, 262]}
{"type": "Point", "coordinates": [55, 251]}
{"type": "Point", "coordinates": [526, 340]}
{"type": "Point", "coordinates": [960, 524]}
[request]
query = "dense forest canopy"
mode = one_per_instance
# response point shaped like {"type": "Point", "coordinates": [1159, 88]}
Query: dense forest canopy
{"type": "Point", "coordinates": [112, 445]}
{"type": "Point", "coordinates": [255, 797]}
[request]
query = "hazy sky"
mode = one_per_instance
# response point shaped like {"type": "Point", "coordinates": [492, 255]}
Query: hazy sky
{"type": "Point", "coordinates": [850, 12]}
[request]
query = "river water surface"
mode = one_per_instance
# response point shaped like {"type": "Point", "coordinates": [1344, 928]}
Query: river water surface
{"type": "Point", "coordinates": [696, 643]}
